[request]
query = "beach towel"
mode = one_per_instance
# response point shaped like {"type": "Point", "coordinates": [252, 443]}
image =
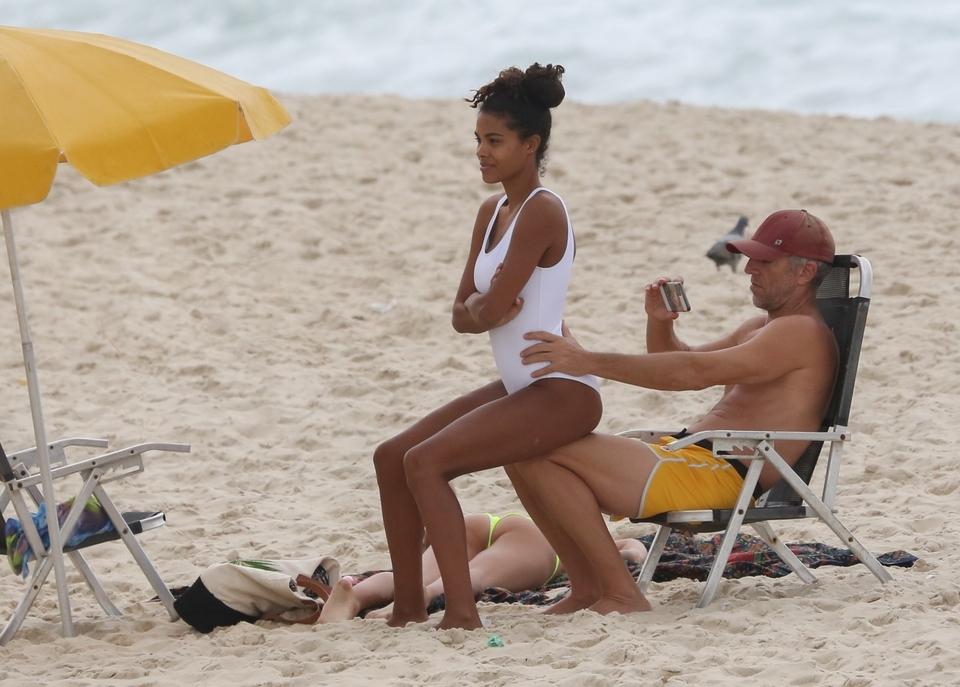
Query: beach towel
{"type": "Point", "coordinates": [93, 520]}
{"type": "Point", "coordinates": [689, 556]}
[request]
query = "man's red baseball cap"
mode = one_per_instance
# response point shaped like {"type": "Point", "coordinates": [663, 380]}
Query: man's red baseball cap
{"type": "Point", "coordinates": [788, 232]}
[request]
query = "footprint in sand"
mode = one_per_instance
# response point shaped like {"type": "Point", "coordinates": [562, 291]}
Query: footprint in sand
{"type": "Point", "coordinates": [930, 524]}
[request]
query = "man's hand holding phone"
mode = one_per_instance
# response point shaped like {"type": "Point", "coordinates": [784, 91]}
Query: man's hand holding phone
{"type": "Point", "coordinates": [665, 299]}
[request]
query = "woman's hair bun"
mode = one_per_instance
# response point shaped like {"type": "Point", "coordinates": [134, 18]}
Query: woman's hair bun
{"type": "Point", "coordinates": [525, 99]}
{"type": "Point", "coordinates": [541, 84]}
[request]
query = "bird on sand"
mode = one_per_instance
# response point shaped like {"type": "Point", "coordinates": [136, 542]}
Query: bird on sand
{"type": "Point", "coordinates": [718, 251]}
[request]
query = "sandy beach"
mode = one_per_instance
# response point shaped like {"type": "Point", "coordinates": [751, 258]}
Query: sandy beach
{"type": "Point", "coordinates": [284, 307]}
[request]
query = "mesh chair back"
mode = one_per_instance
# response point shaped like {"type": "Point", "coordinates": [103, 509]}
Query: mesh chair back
{"type": "Point", "coordinates": [846, 316]}
{"type": "Point", "coordinates": [6, 474]}
{"type": "Point", "coordinates": [6, 470]}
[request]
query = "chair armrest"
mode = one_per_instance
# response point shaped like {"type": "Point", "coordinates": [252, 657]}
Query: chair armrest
{"type": "Point", "coordinates": [28, 456]}
{"type": "Point", "coordinates": [751, 438]}
{"type": "Point", "coordinates": [20, 464]}
{"type": "Point", "coordinates": [115, 460]}
{"type": "Point", "coordinates": [62, 443]}
{"type": "Point", "coordinates": [648, 434]}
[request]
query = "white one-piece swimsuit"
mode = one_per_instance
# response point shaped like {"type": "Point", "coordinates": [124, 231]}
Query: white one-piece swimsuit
{"type": "Point", "coordinates": [544, 296]}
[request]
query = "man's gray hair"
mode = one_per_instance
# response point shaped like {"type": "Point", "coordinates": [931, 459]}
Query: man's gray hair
{"type": "Point", "coordinates": [823, 268]}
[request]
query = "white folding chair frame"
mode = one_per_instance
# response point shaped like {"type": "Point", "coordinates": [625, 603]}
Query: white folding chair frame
{"type": "Point", "coordinates": [94, 473]}
{"type": "Point", "coordinates": [762, 445]}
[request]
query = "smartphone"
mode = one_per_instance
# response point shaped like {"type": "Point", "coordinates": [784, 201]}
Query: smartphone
{"type": "Point", "coordinates": [674, 297]}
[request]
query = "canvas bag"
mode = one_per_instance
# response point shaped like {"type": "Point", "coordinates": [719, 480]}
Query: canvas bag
{"type": "Point", "coordinates": [251, 589]}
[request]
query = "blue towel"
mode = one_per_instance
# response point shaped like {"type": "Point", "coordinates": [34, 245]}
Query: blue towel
{"type": "Point", "coordinates": [93, 520]}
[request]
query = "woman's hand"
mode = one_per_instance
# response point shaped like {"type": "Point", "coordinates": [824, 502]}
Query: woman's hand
{"type": "Point", "coordinates": [653, 301]}
{"type": "Point", "coordinates": [514, 310]}
{"type": "Point", "coordinates": [474, 302]}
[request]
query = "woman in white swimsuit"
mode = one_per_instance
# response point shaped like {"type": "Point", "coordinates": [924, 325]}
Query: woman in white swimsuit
{"type": "Point", "coordinates": [515, 281]}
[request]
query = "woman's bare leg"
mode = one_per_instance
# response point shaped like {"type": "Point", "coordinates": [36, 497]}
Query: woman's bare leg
{"type": "Point", "coordinates": [401, 517]}
{"type": "Point", "coordinates": [517, 561]}
{"type": "Point", "coordinates": [377, 590]}
{"type": "Point", "coordinates": [519, 558]}
{"type": "Point", "coordinates": [524, 425]}
{"type": "Point", "coordinates": [348, 599]}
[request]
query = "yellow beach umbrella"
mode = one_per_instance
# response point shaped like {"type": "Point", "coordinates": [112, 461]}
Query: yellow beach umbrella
{"type": "Point", "coordinates": [115, 110]}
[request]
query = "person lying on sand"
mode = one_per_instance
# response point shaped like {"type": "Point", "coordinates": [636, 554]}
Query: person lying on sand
{"type": "Point", "coordinates": [777, 370]}
{"type": "Point", "coordinates": [506, 551]}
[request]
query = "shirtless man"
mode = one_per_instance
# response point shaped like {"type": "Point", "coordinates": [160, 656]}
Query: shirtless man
{"type": "Point", "coordinates": [777, 369]}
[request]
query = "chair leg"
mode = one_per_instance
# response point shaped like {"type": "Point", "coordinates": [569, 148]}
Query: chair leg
{"type": "Point", "coordinates": [45, 565]}
{"type": "Point", "coordinates": [76, 558]}
{"type": "Point", "coordinates": [831, 520]}
{"type": "Point", "coordinates": [730, 535]}
{"type": "Point", "coordinates": [766, 533]}
{"type": "Point", "coordinates": [653, 557]}
{"type": "Point", "coordinates": [846, 536]}
{"type": "Point", "coordinates": [93, 583]}
{"type": "Point", "coordinates": [139, 555]}
{"type": "Point", "coordinates": [68, 526]}
{"type": "Point", "coordinates": [36, 583]}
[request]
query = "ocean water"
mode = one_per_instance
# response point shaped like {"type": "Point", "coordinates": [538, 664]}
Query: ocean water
{"type": "Point", "coordinates": [856, 57]}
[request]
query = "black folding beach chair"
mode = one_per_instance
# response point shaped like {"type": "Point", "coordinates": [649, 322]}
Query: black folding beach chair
{"type": "Point", "coordinates": [791, 498]}
{"type": "Point", "coordinates": [21, 480]}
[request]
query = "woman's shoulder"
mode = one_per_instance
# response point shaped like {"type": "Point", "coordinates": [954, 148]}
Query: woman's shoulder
{"type": "Point", "coordinates": [487, 208]}
{"type": "Point", "coordinates": [490, 202]}
{"type": "Point", "coordinates": [547, 195]}
{"type": "Point", "coordinates": [545, 206]}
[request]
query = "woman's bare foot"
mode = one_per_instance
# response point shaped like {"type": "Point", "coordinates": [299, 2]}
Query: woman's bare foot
{"type": "Point", "coordinates": [464, 621]}
{"type": "Point", "coordinates": [401, 617]}
{"type": "Point", "coordinates": [632, 550]}
{"type": "Point", "coordinates": [572, 603]}
{"type": "Point", "coordinates": [343, 603]}
{"type": "Point", "coordinates": [380, 613]}
{"type": "Point", "coordinates": [635, 603]}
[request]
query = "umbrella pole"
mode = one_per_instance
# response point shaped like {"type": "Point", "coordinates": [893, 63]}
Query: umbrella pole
{"type": "Point", "coordinates": [36, 411]}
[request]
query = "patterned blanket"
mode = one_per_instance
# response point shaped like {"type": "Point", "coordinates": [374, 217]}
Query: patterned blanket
{"type": "Point", "coordinates": [691, 557]}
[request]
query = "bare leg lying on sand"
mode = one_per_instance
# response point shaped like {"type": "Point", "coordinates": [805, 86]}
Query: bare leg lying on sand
{"type": "Point", "coordinates": [518, 558]}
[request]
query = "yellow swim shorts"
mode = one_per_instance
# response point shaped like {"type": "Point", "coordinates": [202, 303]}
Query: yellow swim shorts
{"type": "Point", "coordinates": [691, 478]}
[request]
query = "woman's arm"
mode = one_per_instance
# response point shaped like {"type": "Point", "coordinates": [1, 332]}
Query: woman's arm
{"type": "Point", "coordinates": [463, 321]}
{"type": "Point", "coordinates": [540, 232]}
